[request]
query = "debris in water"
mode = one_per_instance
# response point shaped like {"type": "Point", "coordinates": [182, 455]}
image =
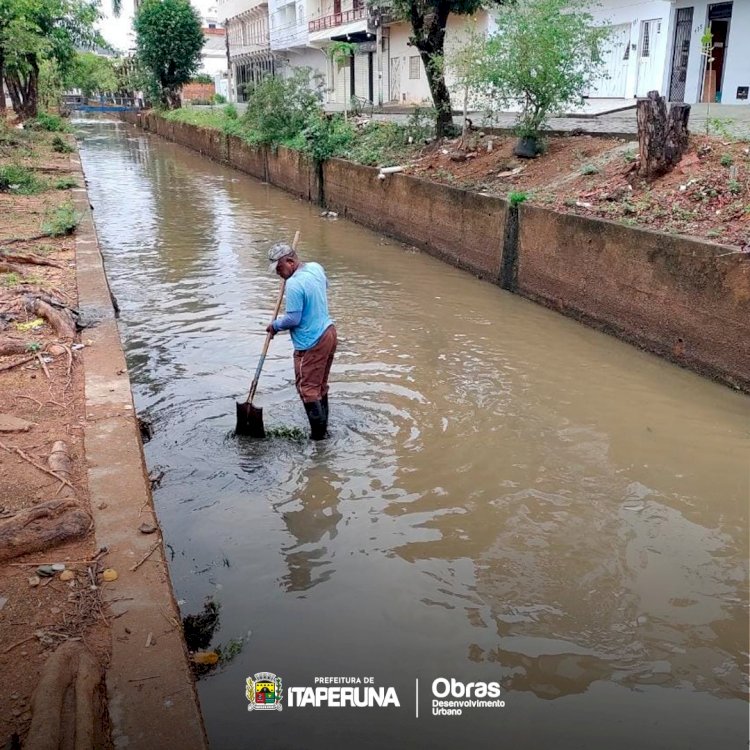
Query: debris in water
{"type": "Point", "coordinates": [205, 658]}
{"type": "Point", "coordinates": [288, 433]}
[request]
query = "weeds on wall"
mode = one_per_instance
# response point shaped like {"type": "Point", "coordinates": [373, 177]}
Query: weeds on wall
{"type": "Point", "coordinates": [289, 112]}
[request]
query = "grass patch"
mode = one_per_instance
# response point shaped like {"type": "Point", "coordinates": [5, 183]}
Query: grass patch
{"type": "Point", "coordinates": [65, 183]}
{"type": "Point", "coordinates": [203, 118]}
{"type": "Point", "coordinates": [61, 222]}
{"type": "Point", "coordinates": [10, 279]}
{"type": "Point", "coordinates": [589, 169]}
{"type": "Point", "coordinates": [15, 178]}
{"type": "Point", "coordinates": [726, 160]}
{"type": "Point", "coordinates": [384, 144]}
{"type": "Point", "coordinates": [516, 197]}
{"type": "Point", "coordinates": [61, 146]}
{"type": "Point", "coordinates": [48, 122]}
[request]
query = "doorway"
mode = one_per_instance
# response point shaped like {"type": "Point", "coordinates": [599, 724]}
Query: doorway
{"type": "Point", "coordinates": [719, 22]}
{"type": "Point", "coordinates": [681, 54]}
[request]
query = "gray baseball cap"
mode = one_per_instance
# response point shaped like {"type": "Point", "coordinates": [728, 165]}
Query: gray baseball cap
{"type": "Point", "coordinates": [276, 253]}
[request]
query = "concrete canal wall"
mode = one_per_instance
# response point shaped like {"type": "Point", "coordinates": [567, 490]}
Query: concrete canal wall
{"type": "Point", "coordinates": [151, 697]}
{"type": "Point", "coordinates": [683, 299]}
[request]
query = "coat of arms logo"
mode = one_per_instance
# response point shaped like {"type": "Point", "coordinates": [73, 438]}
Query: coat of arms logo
{"type": "Point", "coordinates": [264, 692]}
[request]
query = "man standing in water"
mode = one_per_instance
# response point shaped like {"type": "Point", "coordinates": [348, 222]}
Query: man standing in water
{"type": "Point", "coordinates": [312, 330]}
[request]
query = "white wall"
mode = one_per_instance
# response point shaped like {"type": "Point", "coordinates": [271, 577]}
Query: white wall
{"type": "Point", "coordinates": [417, 90]}
{"type": "Point", "coordinates": [213, 64]}
{"type": "Point", "coordinates": [303, 57]}
{"type": "Point", "coordinates": [642, 75]}
{"type": "Point", "coordinates": [737, 64]}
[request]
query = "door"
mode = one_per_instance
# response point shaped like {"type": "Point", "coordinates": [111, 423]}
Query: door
{"type": "Point", "coordinates": [680, 54]}
{"type": "Point", "coordinates": [395, 80]}
{"type": "Point", "coordinates": [647, 54]}
{"type": "Point", "coordinates": [613, 79]}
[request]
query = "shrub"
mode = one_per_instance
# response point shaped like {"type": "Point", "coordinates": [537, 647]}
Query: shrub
{"type": "Point", "coordinates": [380, 144]}
{"type": "Point", "coordinates": [278, 109]}
{"type": "Point", "coordinates": [61, 146]}
{"type": "Point", "coordinates": [62, 221]}
{"type": "Point", "coordinates": [230, 112]}
{"type": "Point", "coordinates": [516, 197]}
{"type": "Point", "coordinates": [19, 179]}
{"type": "Point", "coordinates": [589, 169]}
{"type": "Point", "coordinates": [220, 99]}
{"type": "Point", "coordinates": [726, 160]}
{"type": "Point", "coordinates": [325, 137]}
{"type": "Point", "coordinates": [46, 121]}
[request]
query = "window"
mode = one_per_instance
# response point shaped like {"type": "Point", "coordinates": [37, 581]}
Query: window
{"type": "Point", "coordinates": [646, 46]}
{"type": "Point", "coordinates": [415, 63]}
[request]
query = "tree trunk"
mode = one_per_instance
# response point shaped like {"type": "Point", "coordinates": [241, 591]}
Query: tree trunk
{"type": "Point", "coordinates": [3, 108]}
{"type": "Point", "coordinates": [430, 41]}
{"type": "Point", "coordinates": [42, 526]}
{"type": "Point", "coordinates": [441, 97]}
{"type": "Point", "coordinates": [662, 136]}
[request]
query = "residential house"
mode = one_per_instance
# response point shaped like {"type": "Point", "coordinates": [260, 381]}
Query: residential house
{"type": "Point", "coordinates": [289, 38]}
{"type": "Point", "coordinates": [656, 45]}
{"type": "Point", "coordinates": [332, 21]}
{"type": "Point", "coordinates": [250, 56]}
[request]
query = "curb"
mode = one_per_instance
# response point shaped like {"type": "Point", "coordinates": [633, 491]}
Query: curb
{"type": "Point", "coordinates": [151, 695]}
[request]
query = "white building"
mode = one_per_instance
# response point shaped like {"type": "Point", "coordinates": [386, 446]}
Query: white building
{"type": "Point", "coordinates": [654, 45]}
{"type": "Point", "coordinates": [345, 21]}
{"type": "Point", "coordinates": [250, 57]}
{"type": "Point", "coordinates": [289, 38]}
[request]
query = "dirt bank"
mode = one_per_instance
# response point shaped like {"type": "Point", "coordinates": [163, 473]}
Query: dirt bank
{"type": "Point", "coordinates": [73, 632]}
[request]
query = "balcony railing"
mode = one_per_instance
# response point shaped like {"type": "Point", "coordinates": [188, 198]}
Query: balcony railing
{"type": "Point", "coordinates": [337, 19]}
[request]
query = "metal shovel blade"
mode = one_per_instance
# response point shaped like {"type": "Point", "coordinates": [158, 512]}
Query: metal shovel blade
{"type": "Point", "coordinates": [249, 421]}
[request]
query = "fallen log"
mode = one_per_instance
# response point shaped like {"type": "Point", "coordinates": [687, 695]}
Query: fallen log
{"type": "Point", "coordinates": [18, 363]}
{"type": "Point", "coordinates": [48, 524]}
{"type": "Point", "coordinates": [10, 268]}
{"type": "Point", "coordinates": [29, 258]}
{"type": "Point", "coordinates": [60, 319]}
{"type": "Point", "coordinates": [12, 346]}
{"type": "Point", "coordinates": [60, 464]}
{"type": "Point", "coordinates": [70, 669]}
{"type": "Point", "coordinates": [17, 240]}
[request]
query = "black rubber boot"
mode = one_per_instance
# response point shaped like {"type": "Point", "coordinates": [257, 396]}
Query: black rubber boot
{"type": "Point", "coordinates": [325, 406]}
{"type": "Point", "coordinates": [318, 419]}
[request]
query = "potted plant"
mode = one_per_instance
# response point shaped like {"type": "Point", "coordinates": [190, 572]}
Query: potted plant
{"type": "Point", "coordinates": [542, 59]}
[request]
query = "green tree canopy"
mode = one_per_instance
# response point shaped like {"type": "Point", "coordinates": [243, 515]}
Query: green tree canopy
{"type": "Point", "coordinates": [544, 56]}
{"type": "Point", "coordinates": [169, 41]}
{"type": "Point", "coordinates": [34, 30]}
{"type": "Point", "coordinates": [92, 74]}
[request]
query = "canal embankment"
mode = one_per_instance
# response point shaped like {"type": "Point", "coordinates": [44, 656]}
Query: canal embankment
{"type": "Point", "coordinates": [150, 690]}
{"type": "Point", "coordinates": [683, 299]}
{"type": "Point", "coordinates": [85, 595]}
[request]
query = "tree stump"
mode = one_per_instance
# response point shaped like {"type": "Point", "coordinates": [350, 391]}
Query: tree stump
{"type": "Point", "coordinates": [662, 136]}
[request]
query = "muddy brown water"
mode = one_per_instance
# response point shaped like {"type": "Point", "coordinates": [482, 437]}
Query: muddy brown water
{"type": "Point", "coordinates": [506, 495]}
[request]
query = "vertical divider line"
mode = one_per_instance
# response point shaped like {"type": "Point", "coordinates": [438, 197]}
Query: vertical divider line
{"type": "Point", "coordinates": [416, 703]}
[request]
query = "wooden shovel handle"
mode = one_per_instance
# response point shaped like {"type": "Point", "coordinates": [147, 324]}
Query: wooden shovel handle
{"type": "Point", "coordinates": [280, 299]}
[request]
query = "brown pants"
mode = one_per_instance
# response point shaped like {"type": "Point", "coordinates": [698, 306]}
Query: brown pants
{"type": "Point", "coordinates": [312, 366]}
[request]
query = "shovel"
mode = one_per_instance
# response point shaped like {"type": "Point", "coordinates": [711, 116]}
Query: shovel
{"type": "Point", "coordinates": [249, 417]}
